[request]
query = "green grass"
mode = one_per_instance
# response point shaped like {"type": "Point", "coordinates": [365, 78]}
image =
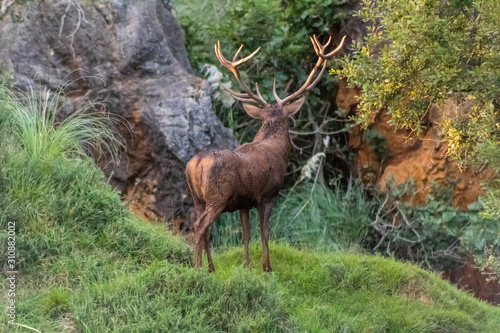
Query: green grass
{"type": "Point", "coordinates": [35, 126]}
{"type": "Point", "coordinates": [86, 264]}
{"type": "Point", "coordinates": [325, 292]}
{"type": "Point", "coordinates": [307, 291]}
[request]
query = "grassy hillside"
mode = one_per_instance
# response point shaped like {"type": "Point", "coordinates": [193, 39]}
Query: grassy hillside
{"type": "Point", "coordinates": [85, 264]}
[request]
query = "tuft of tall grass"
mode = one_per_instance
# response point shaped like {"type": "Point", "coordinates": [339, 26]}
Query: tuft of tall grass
{"type": "Point", "coordinates": [33, 117]}
{"type": "Point", "coordinates": [324, 218]}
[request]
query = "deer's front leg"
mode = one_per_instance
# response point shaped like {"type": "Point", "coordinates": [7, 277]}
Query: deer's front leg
{"type": "Point", "coordinates": [245, 223]}
{"type": "Point", "coordinates": [264, 214]}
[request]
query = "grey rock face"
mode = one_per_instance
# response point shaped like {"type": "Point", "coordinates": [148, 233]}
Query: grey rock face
{"type": "Point", "coordinates": [130, 56]}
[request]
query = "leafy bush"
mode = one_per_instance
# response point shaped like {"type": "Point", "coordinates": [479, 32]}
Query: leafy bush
{"type": "Point", "coordinates": [434, 233]}
{"type": "Point", "coordinates": [419, 53]}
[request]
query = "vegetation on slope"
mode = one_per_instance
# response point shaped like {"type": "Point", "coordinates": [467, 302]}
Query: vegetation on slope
{"type": "Point", "coordinates": [340, 292]}
{"type": "Point", "coordinates": [419, 53]}
{"type": "Point", "coordinates": [85, 264]}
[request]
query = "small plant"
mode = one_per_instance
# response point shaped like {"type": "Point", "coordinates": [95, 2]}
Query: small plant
{"type": "Point", "coordinates": [35, 124]}
{"type": "Point", "coordinates": [378, 143]}
{"type": "Point", "coordinates": [489, 264]}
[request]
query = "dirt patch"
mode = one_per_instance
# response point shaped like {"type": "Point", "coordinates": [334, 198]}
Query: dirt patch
{"type": "Point", "coordinates": [416, 293]}
{"type": "Point", "coordinates": [470, 278]}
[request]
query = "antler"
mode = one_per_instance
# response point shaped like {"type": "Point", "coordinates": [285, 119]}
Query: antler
{"type": "Point", "coordinates": [322, 58]}
{"type": "Point", "coordinates": [249, 96]}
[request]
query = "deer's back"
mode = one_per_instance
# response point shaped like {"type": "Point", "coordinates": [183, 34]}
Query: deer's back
{"type": "Point", "coordinates": [238, 178]}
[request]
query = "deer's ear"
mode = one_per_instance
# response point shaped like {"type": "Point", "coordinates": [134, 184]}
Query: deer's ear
{"type": "Point", "coordinates": [253, 111]}
{"type": "Point", "coordinates": [292, 109]}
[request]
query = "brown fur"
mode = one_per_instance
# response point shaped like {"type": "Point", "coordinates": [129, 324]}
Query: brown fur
{"type": "Point", "coordinates": [240, 179]}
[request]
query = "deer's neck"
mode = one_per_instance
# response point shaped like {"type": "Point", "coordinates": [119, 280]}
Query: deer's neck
{"type": "Point", "coordinates": [275, 133]}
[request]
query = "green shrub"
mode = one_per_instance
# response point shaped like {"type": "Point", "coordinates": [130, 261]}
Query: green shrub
{"type": "Point", "coordinates": [435, 234]}
{"type": "Point", "coordinates": [421, 53]}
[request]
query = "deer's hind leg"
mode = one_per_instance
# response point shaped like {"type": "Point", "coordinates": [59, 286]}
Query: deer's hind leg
{"type": "Point", "coordinates": [211, 267]}
{"type": "Point", "coordinates": [245, 223]}
{"type": "Point", "coordinates": [202, 236]}
{"type": "Point", "coordinates": [199, 240]}
{"type": "Point", "coordinates": [200, 208]}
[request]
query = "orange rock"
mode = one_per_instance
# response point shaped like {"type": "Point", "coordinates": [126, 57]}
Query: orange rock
{"type": "Point", "coordinates": [421, 158]}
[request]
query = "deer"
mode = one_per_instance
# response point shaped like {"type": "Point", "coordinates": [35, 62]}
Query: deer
{"type": "Point", "coordinates": [252, 175]}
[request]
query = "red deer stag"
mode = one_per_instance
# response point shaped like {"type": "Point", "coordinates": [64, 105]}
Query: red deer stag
{"type": "Point", "coordinates": [251, 175]}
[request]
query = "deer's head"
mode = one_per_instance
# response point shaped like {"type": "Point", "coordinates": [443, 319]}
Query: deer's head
{"type": "Point", "coordinates": [255, 105]}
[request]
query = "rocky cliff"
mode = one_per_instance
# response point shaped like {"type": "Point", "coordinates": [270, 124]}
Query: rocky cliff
{"type": "Point", "coordinates": [129, 56]}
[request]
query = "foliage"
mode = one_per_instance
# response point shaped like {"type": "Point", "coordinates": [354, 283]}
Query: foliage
{"type": "Point", "coordinates": [85, 264]}
{"type": "Point", "coordinates": [489, 264]}
{"type": "Point", "coordinates": [423, 52]}
{"type": "Point", "coordinates": [282, 30]}
{"type": "Point", "coordinates": [434, 233]}
{"type": "Point", "coordinates": [378, 143]}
